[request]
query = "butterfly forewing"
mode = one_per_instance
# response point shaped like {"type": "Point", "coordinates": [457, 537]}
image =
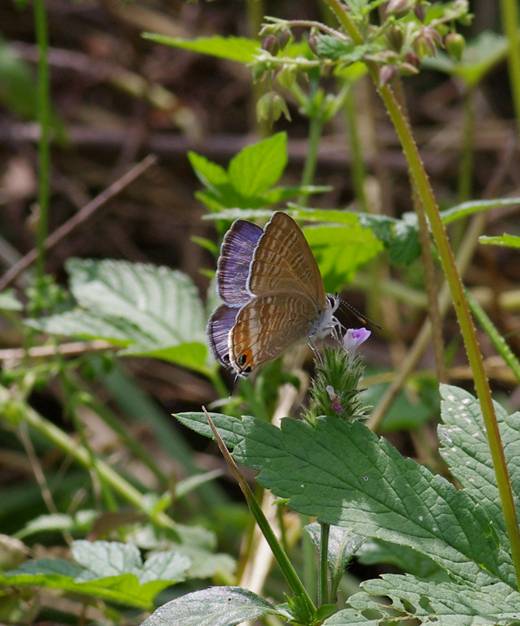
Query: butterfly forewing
{"type": "Point", "coordinates": [268, 325]}
{"type": "Point", "coordinates": [283, 262]}
{"type": "Point", "coordinates": [235, 261]}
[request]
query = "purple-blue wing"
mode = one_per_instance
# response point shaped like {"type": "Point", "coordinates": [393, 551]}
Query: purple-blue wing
{"type": "Point", "coordinates": [219, 325]}
{"type": "Point", "coordinates": [234, 262]}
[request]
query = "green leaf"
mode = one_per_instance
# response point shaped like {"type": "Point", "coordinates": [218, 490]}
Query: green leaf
{"type": "Point", "coordinates": [443, 603]}
{"type": "Point", "coordinates": [258, 167]}
{"type": "Point", "coordinates": [231, 429]}
{"type": "Point", "coordinates": [209, 173]}
{"type": "Point", "coordinates": [216, 606]}
{"type": "Point", "coordinates": [340, 251]}
{"type": "Point", "coordinates": [81, 521]}
{"type": "Point", "coordinates": [376, 551]}
{"type": "Point", "coordinates": [107, 570]}
{"type": "Point", "coordinates": [476, 206]}
{"type": "Point", "coordinates": [239, 49]}
{"type": "Point", "coordinates": [343, 544]}
{"type": "Point", "coordinates": [350, 617]}
{"type": "Point", "coordinates": [509, 241]}
{"type": "Point", "coordinates": [329, 47]}
{"type": "Point", "coordinates": [465, 449]}
{"type": "Point", "coordinates": [150, 310]}
{"type": "Point", "coordinates": [9, 301]}
{"type": "Point", "coordinates": [17, 84]}
{"type": "Point", "coordinates": [345, 475]}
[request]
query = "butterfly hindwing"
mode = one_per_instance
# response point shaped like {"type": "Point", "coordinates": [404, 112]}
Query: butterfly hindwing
{"type": "Point", "coordinates": [266, 326]}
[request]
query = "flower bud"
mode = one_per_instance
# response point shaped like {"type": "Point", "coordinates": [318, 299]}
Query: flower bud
{"type": "Point", "coordinates": [271, 44]}
{"type": "Point", "coordinates": [454, 44]}
{"type": "Point", "coordinates": [395, 38]}
{"type": "Point", "coordinates": [412, 59]}
{"type": "Point", "coordinates": [419, 12]}
{"type": "Point", "coordinates": [270, 107]}
{"type": "Point", "coordinates": [386, 74]}
{"type": "Point", "coordinates": [399, 6]}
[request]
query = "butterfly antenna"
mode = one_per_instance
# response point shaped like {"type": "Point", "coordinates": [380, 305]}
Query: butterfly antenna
{"type": "Point", "coordinates": [360, 316]}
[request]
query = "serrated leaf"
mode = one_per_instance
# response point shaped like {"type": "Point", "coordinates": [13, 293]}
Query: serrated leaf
{"type": "Point", "coordinates": [216, 606]}
{"type": "Point", "coordinates": [376, 552]}
{"type": "Point", "coordinates": [340, 251]}
{"type": "Point", "coordinates": [240, 49]}
{"type": "Point", "coordinates": [231, 429]}
{"type": "Point", "coordinates": [505, 240]}
{"type": "Point", "coordinates": [443, 603]}
{"type": "Point", "coordinates": [345, 475]}
{"type": "Point", "coordinates": [465, 449]}
{"type": "Point", "coordinates": [343, 544]}
{"type": "Point", "coordinates": [107, 570]}
{"type": "Point", "coordinates": [258, 167]}
{"type": "Point", "coordinates": [150, 310]}
{"type": "Point", "coordinates": [330, 47]}
{"type": "Point", "coordinates": [350, 617]}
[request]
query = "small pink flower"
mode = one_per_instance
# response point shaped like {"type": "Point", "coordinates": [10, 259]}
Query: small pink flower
{"type": "Point", "coordinates": [354, 337]}
{"type": "Point", "coordinates": [335, 403]}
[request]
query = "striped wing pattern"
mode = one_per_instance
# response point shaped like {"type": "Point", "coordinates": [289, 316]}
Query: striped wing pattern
{"type": "Point", "coordinates": [283, 262]}
{"type": "Point", "coordinates": [268, 325]}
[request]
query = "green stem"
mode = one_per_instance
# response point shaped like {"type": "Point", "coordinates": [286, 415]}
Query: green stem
{"type": "Point", "coordinates": [460, 304]}
{"type": "Point", "coordinates": [309, 169]}
{"type": "Point", "coordinates": [43, 110]}
{"type": "Point", "coordinates": [496, 338]}
{"type": "Point", "coordinates": [290, 574]}
{"type": "Point", "coordinates": [324, 564]}
{"type": "Point", "coordinates": [77, 452]}
{"type": "Point", "coordinates": [510, 25]}
{"type": "Point", "coordinates": [358, 166]}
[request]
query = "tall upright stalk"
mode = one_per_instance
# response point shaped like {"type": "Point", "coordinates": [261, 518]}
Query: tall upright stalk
{"type": "Point", "coordinates": [510, 25]}
{"type": "Point", "coordinates": [43, 110]}
{"type": "Point", "coordinates": [460, 304]}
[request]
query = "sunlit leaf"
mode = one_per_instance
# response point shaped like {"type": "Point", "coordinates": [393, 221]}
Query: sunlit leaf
{"type": "Point", "coordinates": [239, 49]}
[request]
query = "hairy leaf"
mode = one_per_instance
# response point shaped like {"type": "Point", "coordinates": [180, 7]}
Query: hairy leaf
{"type": "Point", "coordinates": [216, 606]}
{"type": "Point", "coordinates": [465, 449]}
{"type": "Point", "coordinates": [345, 475]}
{"type": "Point", "coordinates": [150, 310]}
{"type": "Point", "coordinates": [444, 603]}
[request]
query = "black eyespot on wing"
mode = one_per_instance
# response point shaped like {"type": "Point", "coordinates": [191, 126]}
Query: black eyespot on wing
{"type": "Point", "coordinates": [242, 360]}
{"type": "Point", "coordinates": [247, 370]}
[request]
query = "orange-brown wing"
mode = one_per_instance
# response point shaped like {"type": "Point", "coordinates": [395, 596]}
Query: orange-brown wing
{"type": "Point", "coordinates": [283, 262]}
{"type": "Point", "coordinates": [268, 325]}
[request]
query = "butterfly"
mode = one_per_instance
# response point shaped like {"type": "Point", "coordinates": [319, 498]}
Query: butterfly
{"type": "Point", "coordinates": [272, 292]}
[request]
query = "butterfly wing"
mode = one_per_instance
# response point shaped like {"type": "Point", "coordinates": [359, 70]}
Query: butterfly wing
{"type": "Point", "coordinates": [283, 262]}
{"type": "Point", "coordinates": [219, 326]}
{"type": "Point", "coordinates": [235, 260]}
{"type": "Point", "coordinates": [266, 326]}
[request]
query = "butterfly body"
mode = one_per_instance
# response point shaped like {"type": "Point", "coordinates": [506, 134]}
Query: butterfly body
{"type": "Point", "coordinates": [272, 292]}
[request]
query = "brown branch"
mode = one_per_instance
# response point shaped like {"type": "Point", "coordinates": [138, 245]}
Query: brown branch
{"type": "Point", "coordinates": [78, 219]}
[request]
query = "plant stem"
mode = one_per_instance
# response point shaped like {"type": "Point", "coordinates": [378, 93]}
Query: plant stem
{"type": "Point", "coordinates": [428, 201]}
{"type": "Point", "coordinates": [510, 25]}
{"type": "Point", "coordinates": [290, 574]}
{"type": "Point", "coordinates": [309, 168]}
{"type": "Point", "coordinates": [70, 447]}
{"type": "Point", "coordinates": [324, 564]}
{"type": "Point", "coordinates": [43, 110]}
{"type": "Point", "coordinates": [358, 166]}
